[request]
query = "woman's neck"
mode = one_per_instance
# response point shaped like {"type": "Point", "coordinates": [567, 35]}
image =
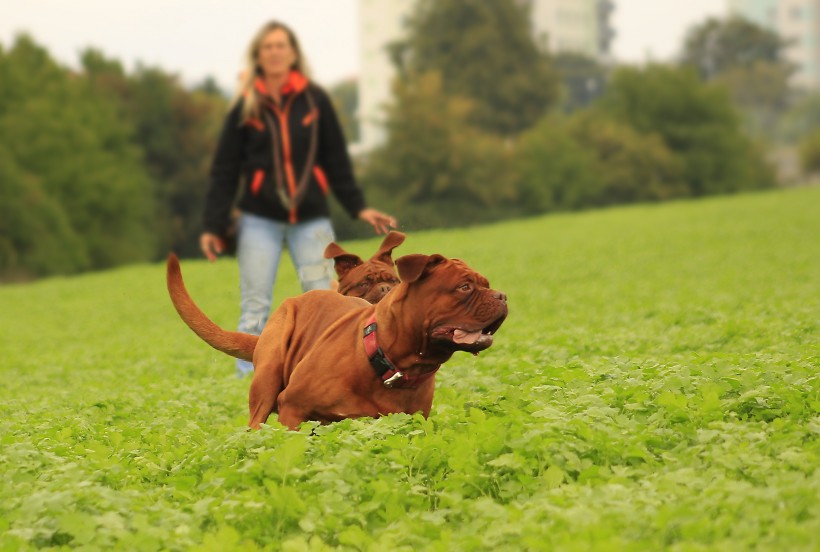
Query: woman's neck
{"type": "Point", "coordinates": [274, 85]}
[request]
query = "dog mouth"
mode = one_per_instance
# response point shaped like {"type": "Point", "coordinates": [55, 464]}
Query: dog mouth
{"type": "Point", "coordinates": [471, 340]}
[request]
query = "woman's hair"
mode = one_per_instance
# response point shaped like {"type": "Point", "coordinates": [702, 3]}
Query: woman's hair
{"type": "Point", "coordinates": [250, 108]}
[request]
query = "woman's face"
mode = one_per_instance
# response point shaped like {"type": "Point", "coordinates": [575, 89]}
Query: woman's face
{"type": "Point", "coordinates": [276, 54]}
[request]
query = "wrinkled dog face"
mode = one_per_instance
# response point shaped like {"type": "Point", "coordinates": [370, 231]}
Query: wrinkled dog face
{"type": "Point", "coordinates": [369, 280]}
{"type": "Point", "coordinates": [466, 313]}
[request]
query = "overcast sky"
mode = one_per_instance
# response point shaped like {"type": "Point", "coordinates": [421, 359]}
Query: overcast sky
{"type": "Point", "coordinates": [197, 38]}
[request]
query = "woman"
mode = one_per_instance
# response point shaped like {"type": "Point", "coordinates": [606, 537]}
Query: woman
{"type": "Point", "coordinates": [283, 140]}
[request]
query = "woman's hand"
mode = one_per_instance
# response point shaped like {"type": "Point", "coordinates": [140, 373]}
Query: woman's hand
{"type": "Point", "coordinates": [381, 222]}
{"type": "Point", "coordinates": [211, 245]}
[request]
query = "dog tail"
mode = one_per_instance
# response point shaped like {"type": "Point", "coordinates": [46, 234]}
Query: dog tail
{"type": "Point", "coordinates": [237, 344]}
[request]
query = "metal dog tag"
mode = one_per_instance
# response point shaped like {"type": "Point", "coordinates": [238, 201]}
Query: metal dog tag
{"type": "Point", "coordinates": [391, 381]}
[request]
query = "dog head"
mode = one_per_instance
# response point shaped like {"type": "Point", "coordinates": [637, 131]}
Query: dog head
{"type": "Point", "coordinates": [370, 280]}
{"type": "Point", "coordinates": [466, 312]}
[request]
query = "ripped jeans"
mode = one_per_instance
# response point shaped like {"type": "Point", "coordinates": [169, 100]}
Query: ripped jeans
{"type": "Point", "coordinates": [259, 248]}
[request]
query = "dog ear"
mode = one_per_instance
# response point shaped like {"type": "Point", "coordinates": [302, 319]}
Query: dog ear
{"type": "Point", "coordinates": [333, 250]}
{"type": "Point", "coordinates": [392, 240]}
{"type": "Point", "coordinates": [415, 267]}
{"type": "Point", "coordinates": [344, 261]}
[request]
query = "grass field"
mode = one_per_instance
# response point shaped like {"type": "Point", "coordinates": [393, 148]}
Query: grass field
{"type": "Point", "coordinates": [655, 387]}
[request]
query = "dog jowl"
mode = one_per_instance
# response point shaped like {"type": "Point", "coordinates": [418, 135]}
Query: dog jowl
{"type": "Point", "coordinates": [371, 279]}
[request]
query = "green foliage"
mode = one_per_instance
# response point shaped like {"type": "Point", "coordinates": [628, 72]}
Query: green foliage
{"type": "Point", "coordinates": [556, 172]}
{"type": "Point", "coordinates": [802, 118]}
{"type": "Point", "coordinates": [696, 122]}
{"type": "Point", "coordinates": [654, 388]}
{"type": "Point", "coordinates": [749, 61]}
{"type": "Point", "coordinates": [101, 168]}
{"type": "Point", "coordinates": [436, 162]}
{"type": "Point", "coordinates": [761, 92]}
{"type": "Point", "coordinates": [73, 145]}
{"type": "Point", "coordinates": [719, 46]}
{"type": "Point", "coordinates": [345, 96]}
{"type": "Point", "coordinates": [36, 237]}
{"type": "Point", "coordinates": [177, 130]}
{"type": "Point", "coordinates": [589, 160]}
{"type": "Point", "coordinates": [584, 79]}
{"type": "Point", "coordinates": [810, 153]}
{"type": "Point", "coordinates": [484, 51]}
{"type": "Point", "coordinates": [632, 166]}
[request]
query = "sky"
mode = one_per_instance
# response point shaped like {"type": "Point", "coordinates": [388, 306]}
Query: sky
{"type": "Point", "coordinates": [199, 38]}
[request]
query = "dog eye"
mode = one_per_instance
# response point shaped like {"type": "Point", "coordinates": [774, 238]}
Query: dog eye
{"type": "Point", "coordinates": [465, 287]}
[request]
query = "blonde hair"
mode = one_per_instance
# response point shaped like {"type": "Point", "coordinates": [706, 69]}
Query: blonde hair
{"type": "Point", "coordinates": [247, 78]}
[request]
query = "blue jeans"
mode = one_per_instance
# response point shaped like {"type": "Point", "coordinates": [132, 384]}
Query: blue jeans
{"type": "Point", "coordinates": [259, 247]}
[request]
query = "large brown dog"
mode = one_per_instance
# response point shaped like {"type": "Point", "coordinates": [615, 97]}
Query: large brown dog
{"type": "Point", "coordinates": [325, 356]}
{"type": "Point", "coordinates": [371, 279]}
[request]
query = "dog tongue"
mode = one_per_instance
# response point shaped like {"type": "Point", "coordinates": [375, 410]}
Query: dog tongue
{"type": "Point", "coordinates": [460, 336]}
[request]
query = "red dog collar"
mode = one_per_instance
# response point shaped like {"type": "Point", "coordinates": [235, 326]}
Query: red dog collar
{"type": "Point", "coordinates": [391, 377]}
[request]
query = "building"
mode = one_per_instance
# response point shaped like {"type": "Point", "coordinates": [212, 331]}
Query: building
{"type": "Point", "coordinates": [577, 26]}
{"type": "Point", "coordinates": [580, 26]}
{"type": "Point", "coordinates": [797, 21]}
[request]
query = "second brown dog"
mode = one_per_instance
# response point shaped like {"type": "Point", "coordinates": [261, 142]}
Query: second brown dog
{"type": "Point", "coordinates": [371, 279]}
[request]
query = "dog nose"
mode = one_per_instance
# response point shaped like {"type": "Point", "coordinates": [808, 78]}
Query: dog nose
{"type": "Point", "coordinates": [500, 295]}
{"type": "Point", "coordinates": [384, 288]}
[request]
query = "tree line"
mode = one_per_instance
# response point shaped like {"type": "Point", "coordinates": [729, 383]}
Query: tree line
{"type": "Point", "coordinates": [100, 167]}
{"type": "Point", "coordinates": [487, 125]}
{"type": "Point", "coordinates": [97, 167]}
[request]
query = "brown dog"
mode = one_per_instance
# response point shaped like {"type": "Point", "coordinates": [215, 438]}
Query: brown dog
{"type": "Point", "coordinates": [369, 280]}
{"type": "Point", "coordinates": [325, 356]}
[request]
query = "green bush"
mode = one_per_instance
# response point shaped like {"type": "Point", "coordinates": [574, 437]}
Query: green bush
{"type": "Point", "coordinates": [632, 166]}
{"type": "Point", "coordinates": [436, 168]}
{"type": "Point", "coordinates": [696, 121]}
{"type": "Point", "coordinates": [592, 160]}
{"type": "Point", "coordinates": [556, 172]}
{"type": "Point", "coordinates": [810, 152]}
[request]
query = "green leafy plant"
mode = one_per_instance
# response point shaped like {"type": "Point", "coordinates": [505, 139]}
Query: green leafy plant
{"type": "Point", "coordinates": [655, 387]}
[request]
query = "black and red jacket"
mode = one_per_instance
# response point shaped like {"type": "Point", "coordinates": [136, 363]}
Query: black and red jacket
{"type": "Point", "coordinates": [289, 159]}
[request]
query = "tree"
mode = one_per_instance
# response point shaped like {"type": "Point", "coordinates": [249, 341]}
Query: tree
{"type": "Point", "coordinates": [718, 46]}
{"type": "Point", "coordinates": [589, 160]}
{"type": "Point", "coordinates": [696, 121]}
{"type": "Point", "coordinates": [176, 129]}
{"type": "Point", "coordinates": [761, 91]}
{"type": "Point", "coordinates": [483, 51]}
{"type": "Point", "coordinates": [801, 119]}
{"type": "Point", "coordinates": [584, 79]}
{"type": "Point", "coordinates": [809, 151]}
{"type": "Point", "coordinates": [36, 236]}
{"type": "Point", "coordinates": [556, 172]}
{"type": "Point", "coordinates": [749, 61]}
{"type": "Point", "coordinates": [437, 169]}
{"type": "Point", "coordinates": [71, 159]}
{"type": "Point", "coordinates": [633, 166]}
{"type": "Point", "coordinates": [346, 100]}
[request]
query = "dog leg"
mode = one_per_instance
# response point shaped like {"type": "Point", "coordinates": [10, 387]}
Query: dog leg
{"type": "Point", "coordinates": [264, 391]}
{"type": "Point", "coordinates": [291, 416]}
{"type": "Point", "coordinates": [269, 366]}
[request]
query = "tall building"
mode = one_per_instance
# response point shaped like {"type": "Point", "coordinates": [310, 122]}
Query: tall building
{"type": "Point", "coordinates": [797, 21]}
{"type": "Point", "coordinates": [380, 23]}
{"type": "Point", "coordinates": [580, 26]}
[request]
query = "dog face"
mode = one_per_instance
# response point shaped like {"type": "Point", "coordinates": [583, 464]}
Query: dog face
{"type": "Point", "coordinates": [466, 313]}
{"type": "Point", "coordinates": [370, 280]}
